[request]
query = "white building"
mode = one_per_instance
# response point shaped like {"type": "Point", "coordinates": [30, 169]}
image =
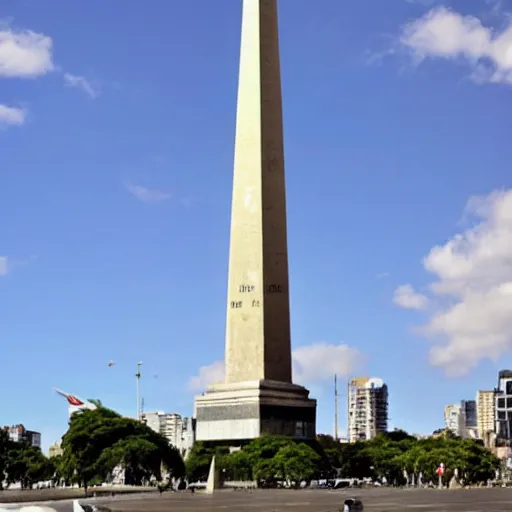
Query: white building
{"type": "Point", "coordinates": [178, 430]}
{"type": "Point", "coordinates": [455, 419]}
{"type": "Point", "coordinates": [367, 408]}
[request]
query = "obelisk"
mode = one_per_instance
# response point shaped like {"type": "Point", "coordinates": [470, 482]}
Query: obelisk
{"type": "Point", "coordinates": [257, 397]}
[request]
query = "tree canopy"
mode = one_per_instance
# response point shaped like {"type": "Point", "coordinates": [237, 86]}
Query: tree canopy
{"type": "Point", "coordinates": [397, 455]}
{"type": "Point", "coordinates": [99, 440]}
{"type": "Point", "coordinates": [393, 457]}
{"type": "Point", "coordinates": [264, 459]}
{"type": "Point", "coordinates": [23, 463]}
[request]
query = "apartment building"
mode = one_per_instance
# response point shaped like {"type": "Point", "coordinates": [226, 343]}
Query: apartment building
{"type": "Point", "coordinates": [18, 433]}
{"type": "Point", "coordinates": [367, 408]}
{"type": "Point", "coordinates": [485, 407]}
{"type": "Point", "coordinates": [455, 419]}
{"type": "Point", "coordinates": [503, 406]}
{"type": "Point", "coordinates": [178, 430]}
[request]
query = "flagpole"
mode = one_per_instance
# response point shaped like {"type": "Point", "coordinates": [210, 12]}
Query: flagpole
{"type": "Point", "coordinates": [335, 407]}
{"type": "Point", "coordinates": [138, 376]}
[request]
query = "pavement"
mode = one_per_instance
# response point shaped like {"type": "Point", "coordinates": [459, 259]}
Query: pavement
{"type": "Point", "coordinates": [376, 500]}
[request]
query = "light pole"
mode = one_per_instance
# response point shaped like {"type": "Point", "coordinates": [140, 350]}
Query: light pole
{"type": "Point", "coordinates": [138, 375]}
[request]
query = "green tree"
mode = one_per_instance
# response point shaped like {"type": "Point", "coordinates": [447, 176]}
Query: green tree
{"type": "Point", "coordinates": [472, 460]}
{"type": "Point", "coordinates": [265, 447]}
{"type": "Point", "coordinates": [238, 466]}
{"type": "Point", "coordinates": [98, 440]}
{"type": "Point", "coordinates": [140, 457]}
{"type": "Point", "coordinates": [261, 453]}
{"type": "Point", "coordinates": [200, 458]}
{"type": "Point", "coordinates": [26, 464]}
{"type": "Point", "coordinates": [296, 462]}
{"type": "Point", "coordinates": [389, 454]}
{"type": "Point", "coordinates": [5, 443]}
{"type": "Point", "coordinates": [268, 459]}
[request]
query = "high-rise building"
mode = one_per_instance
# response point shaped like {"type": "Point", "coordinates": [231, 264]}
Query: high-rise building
{"type": "Point", "coordinates": [367, 408]}
{"type": "Point", "coordinates": [485, 409]}
{"type": "Point", "coordinates": [178, 430]}
{"type": "Point", "coordinates": [503, 405]}
{"type": "Point", "coordinates": [470, 413]}
{"type": "Point", "coordinates": [455, 419]}
{"type": "Point", "coordinates": [18, 433]}
{"type": "Point", "coordinates": [258, 397]}
{"type": "Point", "coordinates": [470, 418]}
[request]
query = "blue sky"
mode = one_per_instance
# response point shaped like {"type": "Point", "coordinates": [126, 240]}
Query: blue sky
{"type": "Point", "coordinates": [116, 157]}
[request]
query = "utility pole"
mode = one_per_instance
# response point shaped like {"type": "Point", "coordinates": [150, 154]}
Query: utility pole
{"type": "Point", "coordinates": [335, 408]}
{"type": "Point", "coordinates": [139, 406]}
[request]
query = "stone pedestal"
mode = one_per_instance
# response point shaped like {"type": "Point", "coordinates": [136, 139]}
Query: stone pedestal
{"type": "Point", "coordinates": [242, 411]}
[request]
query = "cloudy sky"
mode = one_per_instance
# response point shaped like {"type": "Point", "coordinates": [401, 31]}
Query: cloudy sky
{"type": "Point", "coordinates": [116, 154]}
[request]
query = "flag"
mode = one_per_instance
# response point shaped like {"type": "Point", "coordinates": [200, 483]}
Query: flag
{"type": "Point", "coordinates": [72, 400]}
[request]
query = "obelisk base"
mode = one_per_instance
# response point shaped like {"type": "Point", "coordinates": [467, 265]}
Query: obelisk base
{"type": "Point", "coordinates": [243, 411]}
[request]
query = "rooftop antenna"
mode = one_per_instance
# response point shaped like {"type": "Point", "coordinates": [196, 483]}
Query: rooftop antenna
{"type": "Point", "coordinates": [335, 407]}
{"type": "Point", "coordinates": [139, 405]}
{"type": "Point", "coordinates": [348, 409]}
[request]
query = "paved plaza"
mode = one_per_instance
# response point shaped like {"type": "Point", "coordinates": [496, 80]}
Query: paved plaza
{"type": "Point", "coordinates": [377, 500]}
{"type": "Point", "coordinates": [382, 500]}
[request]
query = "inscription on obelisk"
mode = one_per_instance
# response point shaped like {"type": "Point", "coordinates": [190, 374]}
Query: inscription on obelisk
{"type": "Point", "coordinates": [258, 310]}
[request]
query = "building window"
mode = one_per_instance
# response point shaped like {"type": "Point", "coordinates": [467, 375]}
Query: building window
{"type": "Point", "coordinates": [501, 403]}
{"type": "Point", "coordinates": [502, 415]}
{"type": "Point", "coordinates": [508, 387]}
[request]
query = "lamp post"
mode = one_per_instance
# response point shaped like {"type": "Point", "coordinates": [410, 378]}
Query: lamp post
{"type": "Point", "coordinates": [138, 375]}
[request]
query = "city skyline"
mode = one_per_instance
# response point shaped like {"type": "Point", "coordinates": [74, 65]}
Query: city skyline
{"type": "Point", "coordinates": [116, 151]}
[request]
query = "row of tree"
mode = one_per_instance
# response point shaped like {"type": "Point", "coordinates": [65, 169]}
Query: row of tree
{"type": "Point", "coordinates": [401, 458]}
{"type": "Point", "coordinates": [98, 441]}
{"type": "Point", "coordinates": [395, 457]}
{"type": "Point", "coordinates": [263, 459]}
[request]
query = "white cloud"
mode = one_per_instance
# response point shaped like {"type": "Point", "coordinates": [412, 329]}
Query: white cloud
{"type": "Point", "coordinates": [311, 364]}
{"type": "Point", "coordinates": [446, 34]}
{"type": "Point", "coordinates": [473, 288]}
{"type": "Point", "coordinates": [320, 361]}
{"type": "Point", "coordinates": [211, 374]}
{"type": "Point", "coordinates": [12, 115]}
{"type": "Point", "coordinates": [147, 195]}
{"type": "Point", "coordinates": [24, 53]}
{"type": "Point", "coordinates": [3, 266]}
{"type": "Point", "coordinates": [80, 82]}
{"type": "Point", "coordinates": [407, 298]}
